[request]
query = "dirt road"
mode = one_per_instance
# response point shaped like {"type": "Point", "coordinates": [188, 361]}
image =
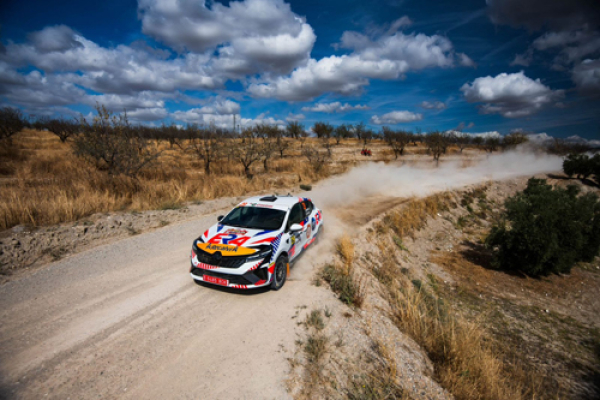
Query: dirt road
{"type": "Point", "coordinates": [125, 320]}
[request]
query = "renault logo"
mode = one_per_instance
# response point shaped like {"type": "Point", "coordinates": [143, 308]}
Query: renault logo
{"type": "Point", "coordinates": [217, 257]}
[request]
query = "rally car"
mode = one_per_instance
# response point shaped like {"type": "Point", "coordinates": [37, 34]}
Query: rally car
{"type": "Point", "coordinates": [255, 243]}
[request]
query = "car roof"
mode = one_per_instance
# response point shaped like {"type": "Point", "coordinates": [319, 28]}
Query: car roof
{"type": "Point", "coordinates": [273, 201]}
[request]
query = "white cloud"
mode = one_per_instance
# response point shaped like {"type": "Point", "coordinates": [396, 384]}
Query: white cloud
{"type": "Point", "coordinates": [511, 95]}
{"type": "Point", "coordinates": [335, 107]}
{"type": "Point", "coordinates": [485, 135]}
{"type": "Point", "coordinates": [295, 117]}
{"type": "Point", "coordinates": [220, 113]}
{"type": "Point", "coordinates": [388, 57]}
{"type": "Point", "coordinates": [465, 60]}
{"type": "Point", "coordinates": [396, 117]}
{"type": "Point", "coordinates": [435, 105]}
{"type": "Point", "coordinates": [147, 114]}
{"type": "Point", "coordinates": [54, 38]}
{"type": "Point", "coordinates": [254, 34]}
{"type": "Point", "coordinates": [587, 76]}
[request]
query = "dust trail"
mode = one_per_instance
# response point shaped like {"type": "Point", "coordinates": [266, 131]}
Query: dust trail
{"type": "Point", "coordinates": [408, 181]}
{"type": "Point", "coordinates": [377, 179]}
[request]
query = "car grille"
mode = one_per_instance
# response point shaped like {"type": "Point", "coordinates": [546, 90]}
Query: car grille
{"type": "Point", "coordinates": [225, 262]}
{"type": "Point", "coordinates": [233, 279]}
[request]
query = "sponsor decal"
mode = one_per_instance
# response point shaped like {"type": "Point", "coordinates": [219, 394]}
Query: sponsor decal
{"type": "Point", "coordinates": [235, 231]}
{"type": "Point", "coordinates": [275, 245]}
{"type": "Point", "coordinates": [308, 230]}
{"type": "Point", "coordinates": [292, 251]}
{"type": "Point", "coordinates": [229, 238]}
{"type": "Point", "coordinates": [226, 249]}
{"type": "Point", "coordinates": [309, 243]}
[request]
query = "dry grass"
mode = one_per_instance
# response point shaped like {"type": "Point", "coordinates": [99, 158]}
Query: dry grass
{"type": "Point", "coordinates": [466, 362]}
{"type": "Point", "coordinates": [342, 278]}
{"type": "Point", "coordinates": [315, 348]}
{"type": "Point", "coordinates": [414, 214]}
{"type": "Point", "coordinates": [381, 382]}
{"type": "Point", "coordinates": [43, 183]}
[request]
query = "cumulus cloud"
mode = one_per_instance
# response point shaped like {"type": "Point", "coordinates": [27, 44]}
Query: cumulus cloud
{"type": "Point", "coordinates": [147, 114]}
{"type": "Point", "coordinates": [254, 35]}
{"type": "Point", "coordinates": [435, 105]}
{"type": "Point", "coordinates": [220, 112]}
{"type": "Point", "coordinates": [587, 76]}
{"type": "Point", "coordinates": [396, 117]}
{"type": "Point", "coordinates": [387, 57]}
{"type": "Point", "coordinates": [122, 69]}
{"type": "Point", "coordinates": [465, 60]}
{"type": "Point", "coordinates": [335, 107]}
{"type": "Point", "coordinates": [511, 95]}
{"type": "Point", "coordinates": [484, 135]}
{"type": "Point", "coordinates": [54, 38]}
{"type": "Point", "coordinates": [295, 117]}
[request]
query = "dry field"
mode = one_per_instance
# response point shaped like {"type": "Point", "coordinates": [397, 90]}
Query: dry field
{"type": "Point", "coordinates": [43, 183]}
{"type": "Point", "coordinates": [428, 316]}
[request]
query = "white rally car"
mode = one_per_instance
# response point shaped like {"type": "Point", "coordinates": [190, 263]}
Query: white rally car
{"type": "Point", "coordinates": [255, 243]}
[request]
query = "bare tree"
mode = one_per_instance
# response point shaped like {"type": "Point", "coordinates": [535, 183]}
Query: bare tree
{"type": "Point", "coordinates": [491, 144]}
{"type": "Point", "coordinates": [316, 158]}
{"type": "Point", "coordinates": [248, 151]}
{"type": "Point", "coordinates": [436, 144]}
{"type": "Point", "coordinates": [397, 140]}
{"type": "Point", "coordinates": [206, 144]}
{"type": "Point", "coordinates": [513, 139]}
{"type": "Point", "coordinates": [11, 123]}
{"type": "Point", "coordinates": [294, 129]}
{"type": "Point", "coordinates": [362, 133]}
{"type": "Point", "coordinates": [477, 141]}
{"type": "Point", "coordinates": [281, 142]}
{"type": "Point", "coordinates": [268, 134]}
{"type": "Point", "coordinates": [462, 140]}
{"type": "Point", "coordinates": [322, 130]}
{"type": "Point", "coordinates": [63, 128]}
{"type": "Point", "coordinates": [341, 132]}
{"type": "Point", "coordinates": [111, 145]}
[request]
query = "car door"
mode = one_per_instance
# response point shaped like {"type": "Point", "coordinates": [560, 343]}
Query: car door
{"type": "Point", "coordinates": [311, 221]}
{"type": "Point", "coordinates": [297, 239]}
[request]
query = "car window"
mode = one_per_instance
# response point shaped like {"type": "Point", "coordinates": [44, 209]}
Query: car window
{"type": "Point", "coordinates": [254, 218]}
{"type": "Point", "coordinates": [308, 208]}
{"type": "Point", "coordinates": [296, 215]}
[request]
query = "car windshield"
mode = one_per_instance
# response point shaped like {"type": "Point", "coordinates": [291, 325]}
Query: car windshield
{"type": "Point", "coordinates": [255, 218]}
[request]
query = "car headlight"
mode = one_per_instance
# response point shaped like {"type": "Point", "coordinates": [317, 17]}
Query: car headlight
{"type": "Point", "coordinates": [262, 253]}
{"type": "Point", "coordinates": [196, 243]}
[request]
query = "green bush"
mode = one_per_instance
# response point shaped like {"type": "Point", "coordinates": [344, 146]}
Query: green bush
{"type": "Point", "coordinates": [547, 230]}
{"type": "Point", "coordinates": [582, 166]}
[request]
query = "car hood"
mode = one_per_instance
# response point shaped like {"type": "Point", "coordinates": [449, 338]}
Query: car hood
{"type": "Point", "coordinates": [243, 237]}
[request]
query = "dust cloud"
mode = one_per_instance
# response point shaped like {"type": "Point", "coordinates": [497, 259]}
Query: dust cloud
{"type": "Point", "coordinates": [357, 187]}
{"type": "Point", "coordinates": [410, 181]}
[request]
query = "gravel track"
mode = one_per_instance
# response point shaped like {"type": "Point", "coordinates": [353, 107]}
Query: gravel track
{"type": "Point", "coordinates": [126, 320]}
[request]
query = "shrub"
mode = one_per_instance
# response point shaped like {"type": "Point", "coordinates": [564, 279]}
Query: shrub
{"type": "Point", "coordinates": [579, 164]}
{"type": "Point", "coordinates": [111, 145]}
{"type": "Point", "coordinates": [547, 230]}
{"type": "Point", "coordinates": [11, 123]}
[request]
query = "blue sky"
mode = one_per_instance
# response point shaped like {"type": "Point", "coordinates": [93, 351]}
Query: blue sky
{"type": "Point", "coordinates": [482, 66]}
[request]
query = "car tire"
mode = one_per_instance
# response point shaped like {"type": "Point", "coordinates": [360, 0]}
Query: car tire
{"type": "Point", "coordinates": [280, 273]}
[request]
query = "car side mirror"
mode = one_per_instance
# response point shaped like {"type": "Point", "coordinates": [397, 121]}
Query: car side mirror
{"type": "Point", "coordinates": [295, 228]}
{"type": "Point", "coordinates": [219, 218]}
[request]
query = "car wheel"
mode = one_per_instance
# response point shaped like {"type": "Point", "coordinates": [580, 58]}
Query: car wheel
{"type": "Point", "coordinates": [280, 273]}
